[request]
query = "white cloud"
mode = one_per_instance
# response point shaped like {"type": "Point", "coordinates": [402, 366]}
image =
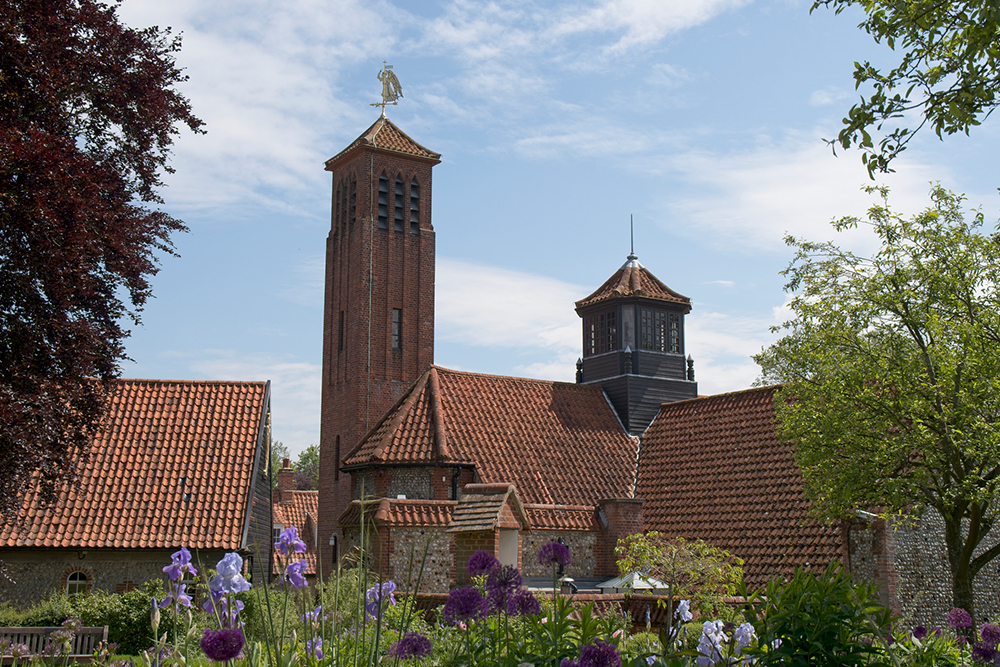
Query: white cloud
{"type": "Point", "coordinates": [793, 185]}
{"type": "Point", "coordinates": [828, 96]}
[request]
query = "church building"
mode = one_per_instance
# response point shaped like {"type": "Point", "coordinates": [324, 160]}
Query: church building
{"type": "Point", "coordinates": [466, 461]}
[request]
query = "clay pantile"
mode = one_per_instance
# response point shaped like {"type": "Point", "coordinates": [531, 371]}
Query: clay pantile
{"type": "Point", "coordinates": [129, 492]}
{"type": "Point", "coordinates": [634, 280]}
{"type": "Point", "coordinates": [400, 512]}
{"type": "Point", "coordinates": [713, 468]}
{"type": "Point", "coordinates": [562, 517]}
{"type": "Point", "coordinates": [481, 508]}
{"type": "Point", "coordinates": [300, 509]}
{"type": "Point", "coordinates": [555, 441]}
{"type": "Point", "coordinates": [384, 135]}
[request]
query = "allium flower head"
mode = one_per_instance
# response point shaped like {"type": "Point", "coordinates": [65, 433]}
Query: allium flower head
{"type": "Point", "coordinates": [599, 654]}
{"type": "Point", "coordinates": [554, 553]}
{"type": "Point", "coordinates": [294, 573]}
{"type": "Point", "coordinates": [501, 583]}
{"type": "Point", "coordinates": [229, 578]}
{"type": "Point", "coordinates": [19, 651]}
{"type": "Point", "coordinates": [523, 603]}
{"type": "Point", "coordinates": [464, 604]}
{"type": "Point", "coordinates": [222, 645]}
{"type": "Point", "coordinates": [376, 595]}
{"type": "Point", "coordinates": [410, 646]}
{"type": "Point", "coordinates": [566, 662]}
{"type": "Point", "coordinates": [289, 542]}
{"type": "Point", "coordinates": [180, 563]}
{"type": "Point", "coordinates": [684, 611]}
{"type": "Point", "coordinates": [990, 633]}
{"type": "Point", "coordinates": [73, 624]}
{"type": "Point", "coordinates": [959, 618]}
{"type": "Point", "coordinates": [919, 632]}
{"type": "Point", "coordinates": [984, 652]}
{"type": "Point", "coordinates": [482, 562]}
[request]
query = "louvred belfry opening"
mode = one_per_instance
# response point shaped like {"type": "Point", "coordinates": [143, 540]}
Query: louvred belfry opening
{"type": "Point", "coordinates": [378, 330]}
{"type": "Point", "coordinates": [633, 344]}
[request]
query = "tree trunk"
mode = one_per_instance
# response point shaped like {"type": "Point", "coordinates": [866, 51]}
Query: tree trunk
{"type": "Point", "coordinates": [961, 573]}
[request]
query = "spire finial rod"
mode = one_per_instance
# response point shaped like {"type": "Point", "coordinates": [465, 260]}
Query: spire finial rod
{"type": "Point", "coordinates": [631, 238]}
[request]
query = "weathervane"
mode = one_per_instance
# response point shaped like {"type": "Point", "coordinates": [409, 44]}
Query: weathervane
{"type": "Point", "coordinates": [391, 90]}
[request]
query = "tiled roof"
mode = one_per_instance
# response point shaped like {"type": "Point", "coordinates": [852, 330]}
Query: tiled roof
{"type": "Point", "coordinates": [481, 507]}
{"type": "Point", "coordinates": [634, 280]}
{"type": "Point", "coordinates": [384, 135]}
{"type": "Point", "coordinates": [172, 466]}
{"type": "Point", "coordinates": [713, 468]}
{"type": "Point", "coordinates": [299, 509]}
{"type": "Point", "coordinates": [400, 512]}
{"type": "Point", "coordinates": [561, 517]}
{"type": "Point", "coordinates": [556, 442]}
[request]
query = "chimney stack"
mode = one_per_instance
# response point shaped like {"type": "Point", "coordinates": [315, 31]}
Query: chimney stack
{"type": "Point", "coordinates": [286, 480]}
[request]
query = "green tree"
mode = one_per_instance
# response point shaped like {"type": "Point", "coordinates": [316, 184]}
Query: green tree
{"type": "Point", "coordinates": [949, 71]}
{"type": "Point", "coordinates": [307, 469]}
{"type": "Point", "coordinates": [691, 569]}
{"type": "Point", "coordinates": [892, 372]}
{"type": "Point", "coordinates": [88, 113]}
{"type": "Point", "coordinates": [279, 452]}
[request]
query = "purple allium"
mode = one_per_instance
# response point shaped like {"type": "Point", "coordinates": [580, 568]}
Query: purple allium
{"type": "Point", "coordinates": [523, 603]}
{"type": "Point", "coordinates": [289, 542]}
{"type": "Point", "coordinates": [180, 563]}
{"type": "Point", "coordinates": [566, 662]}
{"type": "Point", "coordinates": [20, 651]}
{"type": "Point", "coordinates": [314, 648]}
{"type": "Point", "coordinates": [554, 553]}
{"type": "Point", "coordinates": [919, 632]}
{"type": "Point", "coordinates": [294, 573]}
{"type": "Point", "coordinates": [501, 583]}
{"type": "Point", "coordinates": [229, 578]}
{"type": "Point", "coordinates": [984, 652]}
{"type": "Point", "coordinates": [482, 562]}
{"type": "Point", "coordinates": [464, 604]}
{"type": "Point", "coordinates": [73, 624]}
{"type": "Point", "coordinates": [959, 618]}
{"type": "Point", "coordinates": [411, 645]}
{"type": "Point", "coordinates": [376, 595]}
{"type": "Point", "coordinates": [222, 645]}
{"type": "Point", "coordinates": [990, 633]}
{"type": "Point", "coordinates": [599, 654]}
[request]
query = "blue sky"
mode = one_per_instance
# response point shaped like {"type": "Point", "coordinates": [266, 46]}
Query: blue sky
{"type": "Point", "coordinates": [703, 119]}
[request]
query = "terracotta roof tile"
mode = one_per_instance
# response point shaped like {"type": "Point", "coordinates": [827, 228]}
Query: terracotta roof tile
{"type": "Point", "coordinates": [713, 468]}
{"type": "Point", "coordinates": [555, 441]}
{"type": "Point", "coordinates": [481, 508]}
{"type": "Point", "coordinates": [153, 450]}
{"type": "Point", "coordinates": [384, 135]}
{"type": "Point", "coordinates": [634, 280]}
{"type": "Point", "coordinates": [562, 517]}
{"type": "Point", "coordinates": [400, 512]}
{"type": "Point", "coordinates": [299, 509]}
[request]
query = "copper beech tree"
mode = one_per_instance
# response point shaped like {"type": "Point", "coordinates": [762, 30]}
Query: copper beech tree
{"type": "Point", "coordinates": [88, 112]}
{"type": "Point", "coordinates": [892, 372]}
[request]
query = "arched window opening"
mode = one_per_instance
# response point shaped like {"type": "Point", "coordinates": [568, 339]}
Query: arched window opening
{"type": "Point", "coordinates": [399, 204]}
{"type": "Point", "coordinates": [414, 207]}
{"type": "Point", "coordinates": [383, 202]}
{"type": "Point", "coordinates": [76, 583]}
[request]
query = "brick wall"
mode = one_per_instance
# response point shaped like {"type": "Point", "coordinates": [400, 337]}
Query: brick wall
{"type": "Point", "coordinates": [624, 517]}
{"type": "Point", "coordinates": [469, 543]}
{"type": "Point", "coordinates": [402, 278]}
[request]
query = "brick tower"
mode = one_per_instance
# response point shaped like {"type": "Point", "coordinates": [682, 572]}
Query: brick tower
{"type": "Point", "coordinates": [378, 318]}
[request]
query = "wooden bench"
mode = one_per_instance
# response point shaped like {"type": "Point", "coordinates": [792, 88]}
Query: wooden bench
{"type": "Point", "coordinates": [84, 642]}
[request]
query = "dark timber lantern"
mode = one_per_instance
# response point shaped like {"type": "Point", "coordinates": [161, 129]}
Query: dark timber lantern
{"type": "Point", "coordinates": [633, 344]}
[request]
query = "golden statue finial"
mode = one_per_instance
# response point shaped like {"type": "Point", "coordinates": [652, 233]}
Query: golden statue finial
{"type": "Point", "coordinates": [391, 90]}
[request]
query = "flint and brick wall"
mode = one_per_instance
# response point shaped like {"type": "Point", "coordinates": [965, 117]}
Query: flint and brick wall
{"type": "Point", "coordinates": [439, 567]}
{"type": "Point", "coordinates": [581, 551]}
{"type": "Point", "coordinates": [910, 561]}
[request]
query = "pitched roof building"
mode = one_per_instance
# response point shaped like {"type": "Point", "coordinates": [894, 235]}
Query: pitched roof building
{"type": "Point", "coordinates": [298, 508]}
{"type": "Point", "coordinates": [176, 463]}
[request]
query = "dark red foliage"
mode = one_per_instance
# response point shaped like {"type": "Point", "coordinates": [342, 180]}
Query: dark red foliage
{"type": "Point", "coordinates": [88, 112]}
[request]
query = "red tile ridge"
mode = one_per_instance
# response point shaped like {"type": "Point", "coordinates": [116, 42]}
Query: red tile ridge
{"type": "Point", "coordinates": [441, 449]}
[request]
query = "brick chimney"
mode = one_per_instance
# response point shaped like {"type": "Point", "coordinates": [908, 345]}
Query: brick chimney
{"type": "Point", "coordinates": [286, 481]}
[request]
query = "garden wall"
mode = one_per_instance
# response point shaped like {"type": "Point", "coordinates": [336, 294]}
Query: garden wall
{"type": "Point", "coordinates": [581, 552]}
{"type": "Point", "coordinates": [910, 561]}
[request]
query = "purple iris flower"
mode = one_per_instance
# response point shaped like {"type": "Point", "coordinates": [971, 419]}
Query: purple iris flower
{"type": "Point", "coordinates": [554, 553]}
{"type": "Point", "coordinates": [294, 572]}
{"type": "Point", "coordinates": [229, 578]}
{"type": "Point", "coordinates": [314, 648]}
{"type": "Point", "coordinates": [376, 595]}
{"type": "Point", "coordinates": [313, 616]}
{"type": "Point", "coordinates": [289, 542]}
{"type": "Point", "coordinates": [177, 596]}
{"type": "Point", "coordinates": [181, 563]}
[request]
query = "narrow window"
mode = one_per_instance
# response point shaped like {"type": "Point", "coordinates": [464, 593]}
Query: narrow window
{"type": "Point", "coordinates": [336, 209]}
{"type": "Point", "coordinates": [675, 334]}
{"type": "Point", "coordinates": [383, 202]}
{"type": "Point", "coordinates": [340, 333]}
{"type": "Point", "coordinates": [397, 322]}
{"type": "Point", "coordinates": [354, 199]}
{"type": "Point", "coordinates": [414, 207]}
{"type": "Point", "coordinates": [76, 583]}
{"type": "Point", "coordinates": [589, 336]}
{"type": "Point", "coordinates": [660, 331]}
{"type": "Point", "coordinates": [646, 329]}
{"type": "Point", "coordinates": [611, 332]}
{"type": "Point", "coordinates": [336, 468]}
{"type": "Point", "coordinates": [399, 204]}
